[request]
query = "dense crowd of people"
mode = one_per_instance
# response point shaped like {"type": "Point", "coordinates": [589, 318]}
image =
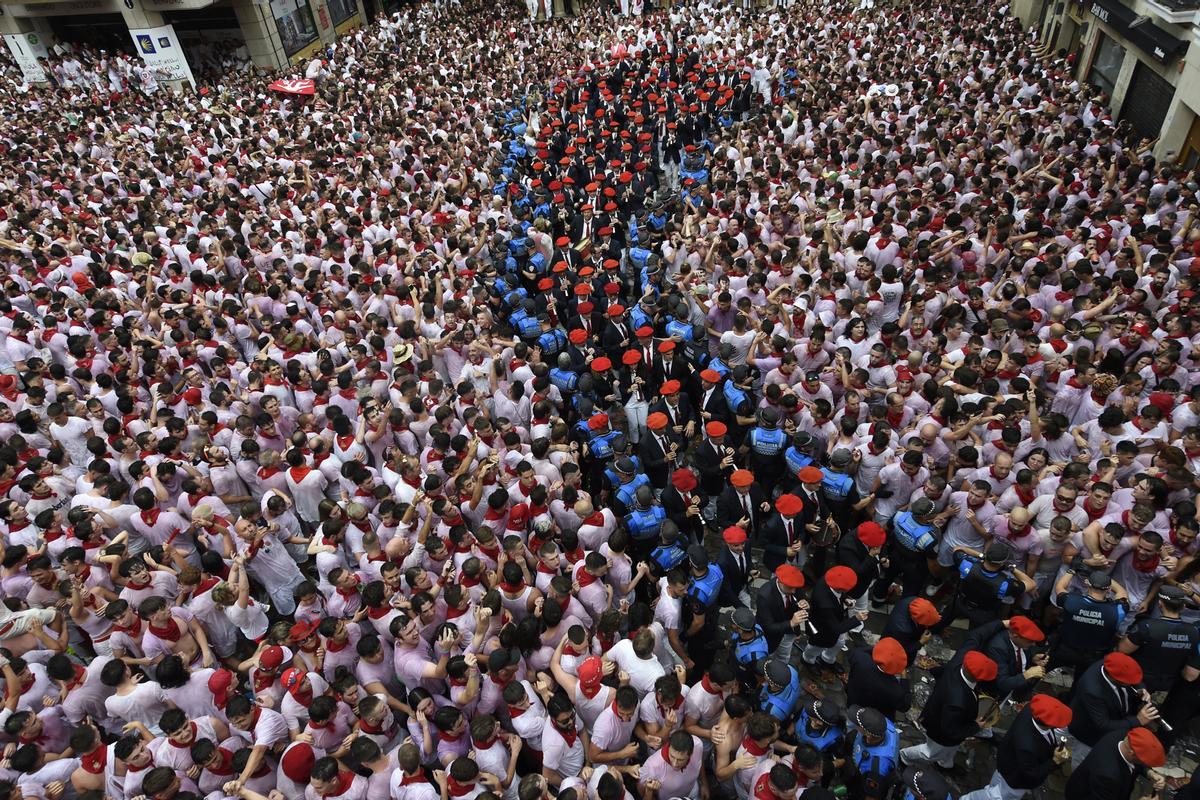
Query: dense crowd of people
{"type": "Point", "coordinates": [541, 411]}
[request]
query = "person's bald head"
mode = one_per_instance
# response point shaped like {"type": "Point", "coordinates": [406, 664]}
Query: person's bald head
{"type": "Point", "coordinates": [1018, 517]}
{"type": "Point", "coordinates": [583, 508]}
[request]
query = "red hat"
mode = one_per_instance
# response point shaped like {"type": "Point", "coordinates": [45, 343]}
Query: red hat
{"type": "Point", "coordinates": [1141, 328]}
{"type": "Point", "coordinates": [733, 535]}
{"type": "Point", "coordinates": [601, 364]}
{"type": "Point", "coordinates": [221, 683]}
{"type": "Point", "coordinates": [645, 330]}
{"type": "Point", "coordinates": [631, 357]}
{"type": "Point", "coordinates": [562, 241]}
{"type": "Point", "coordinates": [616, 310]}
{"type": "Point", "coordinates": [544, 284]}
{"type": "Point", "coordinates": [871, 534]}
{"type": "Point", "coordinates": [291, 679]}
{"type": "Point", "coordinates": [841, 579]}
{"type": "Point", "coordinates": [192, 395]}
{"type": "Point", "coordinates": [716, 428]}
{"type": "Point", "coordinates": [741, 478]}
{"type": "Point", "coordinates": [669, 388]}
{"type": "Point", "coordinates": [683, 479]}
{"type": "Point", "coordinates": [923, 612]}
{"type": "Point", "coordinates": [597, 421]}
{"type": "Point", "coordinates": [577, 336]}
{"type": "Point", "coordinates": [789, 505]}
{"type": "Point", "coordinates": [271, 658]}
{"type": "Point", "coordinates": [1146, 747]}
{"type": "Point", "coordinates": [790, 576]}
{"type": "Point", "coordinates": [979, 666]}
{"type": "Point", "coordinates": [297, 762]}
{"type": "Point", "coordinates": [1123, 669]}
{"type": "Point", "coordinates": [7, 382]}
{"type": "Point", "coordinates": [888, 654]}
{"type": "Point", "coordinates": [1050, 711]}
{"type": "Point", "coordinates": [710, 375]}
{"type": "Point", "coordinates": [590, 671]}
{"type": "Point", "coordinates": [1026, 629]}
{"type": "Point", "coordinates": [666, 346]}
{"type": "Point", "coordinates": [582, 290]}
{"type": "Point", "coordinates": [302, 630]}
{"type": "Point", "coordinates": [657, 421]}
{"type": "Point", "coordinates": [811, 474]}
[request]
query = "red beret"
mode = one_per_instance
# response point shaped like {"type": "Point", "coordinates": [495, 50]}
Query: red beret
{"type": "Point", "coordinates": [657, 421]}
{"type": "Point", "coordinates": [669, 388]}
{"type": "Point", "coordinates": [1146, 747]}
{"type": "Point", "coordinates": [790, 576]}
{"type": "Point", "coordinates": [683, 479]}
{"type": "Point", "coordinates": [811, 474]}
{"type": "Point", "coordinates": [871, 534]}
{"type": "Point", "coordinates": [710, 375]}
{"type": "Point", "coordinates": [616, 310]}
{"type": "Point", "coordinates": [979, 666]}
{"type": "Point", "coordinates": [601, 364]}
{"type": "Point", "coordinates": [733, 535]}
{"type": "Point", "coordinates": [645, 330]}
{"type": "Point", "coordinates": [1123, 669]}
{"type": "Point", "coordinates": [888, 654]}
{"type": "Point", "coordinates": [1026, 629]}
{"type": "Point", "coordinates": [666, 346]}
{"type": "Point", "coordinates": [741, 478]}
{"type": "Point", "coordinates": [789, 504]}
{"type": "Point", "coordinates": [841, 579]}
{"type": "Point", "coordinates": [923, 612]}
{"type": "Point", "coordinates": [597, 421]}
{"type": "Point", "coordinates": [631, 357]}
{"type": "Point", "coordinates": [585, 308]}
{"type": "Point", "coordinates": [716, 428]}
{"type": "Point", "coordinates": [1050, 711]}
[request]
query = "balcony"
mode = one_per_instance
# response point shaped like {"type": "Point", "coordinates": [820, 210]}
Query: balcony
{"type": "Point", "coordinates": [1177, 12]}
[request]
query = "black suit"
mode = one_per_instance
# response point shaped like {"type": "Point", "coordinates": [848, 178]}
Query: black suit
{"type": "Point", "coordinates": [828, 617]}
{"type": "Point", "coordinates": [901, 627]}
{"type": "Point", "coordinates": [715, 405]}
{"type": "Point", "coordinates": [654, 457]}
{"type": "Point", "coordinates": [730, 509]}
{"type": "Point", "coordinates": [707, 459]}
{"type": "Point", "coordinates": [868, 685]}
{"type": "Point", "coordinates": [950, 713]}
{"type": "Point", "coordinates": [774, 614]}
{"type": "Point", "coordinates": [775, 539]}
{"type": "Point", "coordinates": [614, 334]}
{"type": "Point", "coordinates": [677, 370]}
{"type": "Point", "coordinates": [1100, 707]}
{"type": "Point", "coordinates": [736, 575]}
{"type": "Point", "coordinates": [1009, 679]}
{"type": "Point", "coordinates": [673, 503]}
{"type": "Point", "coordinates": [1026, 755]}
{"type": "Point", "coordinates": [679, 415]}
{"type": "Point", "coordinates": [852, 553]}
{"type": "Point", "coordinates": [1104, 774]}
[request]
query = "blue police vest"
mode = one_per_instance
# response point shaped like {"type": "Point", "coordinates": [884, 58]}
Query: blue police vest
{"type": "Point", "coordinates": [581, 427]}
{"type": "Point", "coordinates": [638, 256]}
{"type": "Point", "coordinates": [552, 341]}
{"type": "Point", "coordinates": [638, 317]}
{"type": "Point", "coordinates": [749, 652]}
{"type": "Point", "coordinates": [836, 486]}
{"type": "Point", "coordinates": [766, 441]}
{"type": "Point", "coordinates": [668, 557]}
{"type": "Point", "coordinates": [968, 564]}
{"type": "Point", "coordinates": [827, 738]}
{"type": "Point", "coordinates": [680, 329]}
{"type": "Point", "coordinates": [718, 366]}
{"type": "Point", "coordinates": [564, 379]}
{"type": "Point", "coordinates": [781, 704]}
{"type": "Point", "coordinates": [528, 328]}
{"type": "Point", "coordinates": [734, 396]}
{"type": "Point", "coordinates": [705, 589]}
{"type": "Point", "coordinates": [879, 759]}
{"type": "Point", "coordinates": [612, 475]}
{"type": "Point", "coordinates": [518, 244]}
{"type": "Point", "coordinates": [657, 221]}
{"type": "Point", "coordinates": [626, 491]}
{"type": "Point", "coordinates": [520, 315]}
{"type": "Point", "coordinates": [645, 524]}
{"type": "Point", "coordinates": [910, 534]}
{"type": "Point", "coordinates": [796, 460]}
{"type": "Point", "coordinates": [601, 445]}
{"type": "Point", "coordinates": [538, 262]}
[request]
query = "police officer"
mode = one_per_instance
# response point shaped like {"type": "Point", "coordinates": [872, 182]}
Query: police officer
{"type": "Point", "coordinates": [631, 479]}
{"type": "Point", "coordinates": [837, 487]}
{"type": "Point", "coordinates": [1090, 620]}
{"type": "Point", "coordinates": [913, 544]}
{"type": "Point", "coordinates": [923, 783]}
{"type": "Point", "coordinates": [985, 586]}
{"type": "Point", "coordinates": [669, 553]}
{"type": "Point", "coordinates": [644, 522]}
{"type": "Point", "coordinates": [600, 453]}
{"type": "Point", "coordinates": [552, 340]}
{"type": "Point", "coordinates": [528, 325]}
{"type": "Point", "coordinates": [1032, 748]}
{"type": "Point", "coordinates": [820, 724]}
{"type": "Point", "coordinates": [740, 401]}
{"type": "Point", "coordinates": [749, 645]}
{"type": "Point", "coordinates": [874, 754]}
{"type": "Point", "coordinates": [798, 456]}
{"type": "Point", "coordinates": [1163, 645]}
{"type": "Point", "coordinates": [706, 576]}
{"type": "Point", "coordinates": [764, 448]}
{"type": "Point", "coordinates": [563, 376]}
{"type": "Point", "coordinates": [780, 690]}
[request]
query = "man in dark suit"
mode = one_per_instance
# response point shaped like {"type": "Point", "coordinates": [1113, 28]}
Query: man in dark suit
{"type": "Point", "coordinates": [711, 458]}
{"type": "Point", "coordinates": [1029, 751]}
{"type": "Point", "coordinates": [743, 503]}
{"type": "Point", "coordinates": [1106, 702]}
{"type": "Point", "coordinates": [668, 366]}
{"type": "Point", "coordinates": [1018, 668]}
{"type": "Point", "coordinates": [909, 624]}
{"type": "Point", "coordinates": [829, 618]}
{"type": "Point", "coordinates": [876, 678]}
{"type": "Point", "coordinates": [783, 534]}
{"type": "Point", "coordinates": [683, 503]}
{"type": "Point", "coordinates": [818, 536]}
{"type": "Point", "coordinates": [710, 400]}
{"type": "Point", "coordinates": [659, 450]}
{"type": "Point", "coordinates": [616, 336]}
{"type": "Point", "coordinates": [780, 612]}
{"type": "Point", "coordinates": [1111, 770]}
{"type": "Point", "coordinates": [681, 418]}
{"type": "Point", "coordinates": [950, 715]}
{"type": "Point", "coordinates": [736, 565]}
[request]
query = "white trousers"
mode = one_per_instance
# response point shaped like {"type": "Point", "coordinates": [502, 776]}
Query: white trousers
{"type": "Point", "coordinates": [939, 754]}
{"type": "Point", "coordinates": [998, 789]}
{"type": "Point", "coordinates": [827, 654]}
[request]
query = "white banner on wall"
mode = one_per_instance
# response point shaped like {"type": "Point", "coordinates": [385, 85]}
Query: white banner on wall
{"type": "Point", "coordinates": [27, 48]}
{"type": "Point", "coordinates": [159, 48]}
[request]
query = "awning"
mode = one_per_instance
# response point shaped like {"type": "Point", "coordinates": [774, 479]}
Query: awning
{"type": "Point", "coordinates": [1147, 36]}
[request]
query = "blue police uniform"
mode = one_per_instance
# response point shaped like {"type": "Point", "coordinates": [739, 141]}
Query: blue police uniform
{"type": "Point", "coordinates": [552, 341]}
{"type": "Point", "coordinates": [706, 587]}
{"type": "Point", "coordinates": [627, 491]}
{"type": "Point", "coordinates": [781, 704]}
{"type": "Point", "coordinates": [646, 523]}
{"type": "Point", "coordinates": [668, 556]}
{"type": "Point", "coordinates": [564, 379]}
{"type": "Point", "coordinates": [828, 737]}
{"type": "Point", "coordinates": [601, 444]}
{"type": "Point", "coordinates": [612, 475]}
{"type": "Point", "coordinates": [796, 460]}
{"type": "Point", "coordinates": [749, 652]}
{"type": "Point", "coordinates": [911, 534]}
{"type": "Point", "coordinates": [836, 486]}
{"type": "Point", "coordinates": [877, 763]}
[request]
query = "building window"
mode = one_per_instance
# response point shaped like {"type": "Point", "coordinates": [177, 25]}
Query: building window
{"type": "Point", "coordinates": [294, 20]}
{"type": "Point", "coordinates": [342, 10]}
{"type": "Point", "coordinates": [1106, 64]}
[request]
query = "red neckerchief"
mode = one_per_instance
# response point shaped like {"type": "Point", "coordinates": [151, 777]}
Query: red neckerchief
{"type": "Point", "coordinates": [189, 744]}
{"type": "Point", "coordinates": [585, 578]}
{"type": "Point", "coordinates": [299, 473]}
{"type": "Point", "coordinates": [1093, 515]}
{"type": "Point", "coordinates": [266, 473]}
{"type": "Point", "coordinates": [1017, 533]}
{"type": "Point", "coordinates": [754, 748]}
{"type": "Point", "coordinates": [226, 767]}
{"type": "Point", "coordinates": [492, 552]}
{"type": "Point", "coordinates": [263, 681]}
{"type": "Point", "coordinates": [568, 736]}
{"type": "Point", "coordinates": [150, 516]}
{"type": "Point", "coordinates": [345, 778]}
{"type": "Point", "coordinates": [336, 647]}
{"type": "Point", "coordinates": [606, 640]}
{"type": "Point", "coordinates": [706, 683]}
{"type": "Point", "coordinates": [762, 788]}
{"type": "Point", "coordinates": [457, 789]}
{"type": "Point", "coordinates": [170, 633]}
{"type": "Point", "coordinates": [512, 588]}
{"type": "Point", "coordinates": [453, 612]}
{"type": "Point", "coordinates": [95, 761]}
{"type": "Point", "coordinates": [135, 630]}
{"type": "Point", "coordinates": [445, 737]}
{"type": "Point", "coordinates": [409, 780]}
{"type": "Point", "coordinates": [1149, 565]}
